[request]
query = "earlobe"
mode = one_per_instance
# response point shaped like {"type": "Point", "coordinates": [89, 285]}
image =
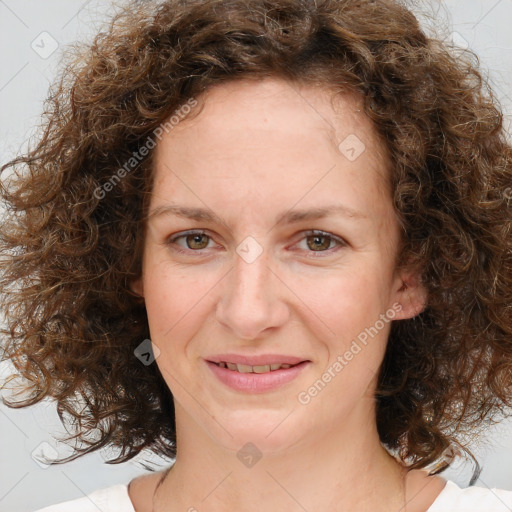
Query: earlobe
{"type": "Point", "coordinates": [412, 296]}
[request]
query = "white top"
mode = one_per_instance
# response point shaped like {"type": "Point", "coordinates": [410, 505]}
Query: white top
{"type": "Point", "coordinates": [451, 499]}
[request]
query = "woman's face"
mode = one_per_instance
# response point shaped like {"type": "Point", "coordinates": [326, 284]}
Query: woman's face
{"type": "Point", "coordinates": [271, 236]}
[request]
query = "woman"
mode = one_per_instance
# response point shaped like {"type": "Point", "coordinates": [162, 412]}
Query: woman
{"type": "Point", "coordinates": [270, 240]}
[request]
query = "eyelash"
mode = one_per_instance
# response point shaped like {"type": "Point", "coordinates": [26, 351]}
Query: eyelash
{"type": "Point", "coordinates": [172, 242]}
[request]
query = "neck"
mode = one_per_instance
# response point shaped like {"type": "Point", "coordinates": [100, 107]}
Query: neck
{"type": "Point", "coordinates": [346, 465]}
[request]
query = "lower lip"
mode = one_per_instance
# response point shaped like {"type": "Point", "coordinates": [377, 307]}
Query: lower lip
{"type": "Point", "coordinates": [256, 382]}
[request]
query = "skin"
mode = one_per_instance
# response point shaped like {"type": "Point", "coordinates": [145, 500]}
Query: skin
{"type": "Point", "coordinates": [257, 150]}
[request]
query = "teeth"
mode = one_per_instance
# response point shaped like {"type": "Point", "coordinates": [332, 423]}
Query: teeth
{"type": "Point", "coordinates": [261, 369]}
{"type": "Point", "coordinates": [245, 368]}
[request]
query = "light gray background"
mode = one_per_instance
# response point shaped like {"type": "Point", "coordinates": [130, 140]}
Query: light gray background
{"type": "Point", "coordinates": [25, 71]}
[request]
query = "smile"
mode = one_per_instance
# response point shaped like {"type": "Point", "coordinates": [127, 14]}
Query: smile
{"type": "Point", "coordinates": [245, 368]}
{"type": "Point", "coordinates": [256, 378]}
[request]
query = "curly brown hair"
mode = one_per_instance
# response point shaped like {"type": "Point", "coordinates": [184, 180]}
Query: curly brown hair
{"type": "Point", "coordinates": [72, 245]}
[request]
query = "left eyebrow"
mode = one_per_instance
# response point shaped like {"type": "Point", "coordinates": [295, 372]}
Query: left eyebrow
{"type": "Point", "coordinates": [293, 216]}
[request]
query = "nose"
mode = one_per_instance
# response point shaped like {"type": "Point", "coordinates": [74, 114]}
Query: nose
{"type": "Point", "coordinates": [252, 299]}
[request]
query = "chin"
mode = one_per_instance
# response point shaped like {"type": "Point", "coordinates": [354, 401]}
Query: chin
{"type": "Point", "coordinates": [267, 431]}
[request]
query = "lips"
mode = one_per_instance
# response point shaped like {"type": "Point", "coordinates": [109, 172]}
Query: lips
{"type": "Point", "coordinates": [256, 378]}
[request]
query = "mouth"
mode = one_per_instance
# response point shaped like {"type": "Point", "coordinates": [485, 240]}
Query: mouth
{"type": "Point", "coordinates": [245, 368]}
{"type": "Point", "coordinates": [256, 374]}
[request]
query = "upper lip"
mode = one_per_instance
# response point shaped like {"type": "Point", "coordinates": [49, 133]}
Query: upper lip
{"type": "Point", "coordinates": [259, 360]}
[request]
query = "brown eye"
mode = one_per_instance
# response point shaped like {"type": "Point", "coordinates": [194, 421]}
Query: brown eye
{"type": "Point", "coordinates": [316, 243]}
{"type": "Point", "coordinates": [197, 241]}
{"type": "Point", "coordinates": [319, 242]}
{"type": "Point", "coordinates": [191, 242]}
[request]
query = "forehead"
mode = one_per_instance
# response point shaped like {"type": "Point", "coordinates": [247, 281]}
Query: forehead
{"type": "Point", "coordinates": [308, 110]}
{"type": "Point", "coordinates": [274, 135]}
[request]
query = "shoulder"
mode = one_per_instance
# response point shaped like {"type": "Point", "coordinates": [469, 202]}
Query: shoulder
{"type": "Point", "coordinates": [142, 489]}
{"type": "Point", "coordinates": [472, 499]}
{"type": "Point", "coordinates": [108, 499]}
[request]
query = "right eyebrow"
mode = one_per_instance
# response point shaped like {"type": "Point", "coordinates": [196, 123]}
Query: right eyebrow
{"type": "Point", "coordinates": [199, 214]}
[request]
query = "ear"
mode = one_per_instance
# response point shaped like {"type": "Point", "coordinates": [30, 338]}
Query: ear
{"type": "Point", "coordinates": [137, 287]}
{"type": "Point", "coordinates": [410, 294]}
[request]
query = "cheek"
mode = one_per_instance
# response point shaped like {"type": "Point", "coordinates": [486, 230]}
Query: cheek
{"type": "Point", "coordinates": [176, 308]}
{"type": "Point", "coordinates": [346, 300]}
{"type": "Point", "coordinates": [349, 304]}
{"type": "Point", "coordinates": [175, 302]}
